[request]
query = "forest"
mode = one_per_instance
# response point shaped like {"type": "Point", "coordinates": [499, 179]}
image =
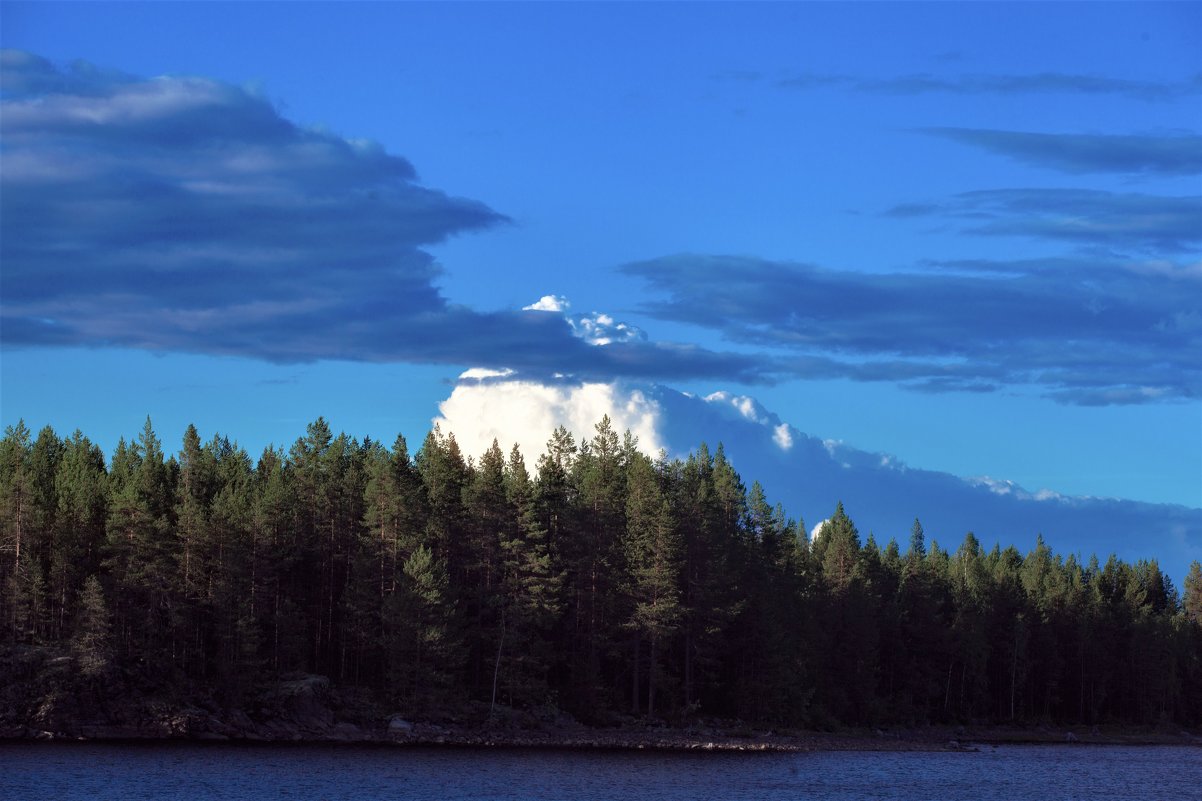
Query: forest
{"type": "Point", "coordinates": [596, 581]}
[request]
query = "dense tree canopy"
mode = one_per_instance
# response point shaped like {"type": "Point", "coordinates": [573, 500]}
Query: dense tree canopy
{"type": "Point", "coordinates": [602, 582]}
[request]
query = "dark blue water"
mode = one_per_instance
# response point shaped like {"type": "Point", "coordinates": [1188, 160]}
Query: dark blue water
{"type": "Point", "coordinates": [30, 772]}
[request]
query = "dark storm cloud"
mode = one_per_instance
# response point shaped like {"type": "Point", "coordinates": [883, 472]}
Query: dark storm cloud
{"type": "Point", "coordinates": [185, 214]}
{"type": "Point", "coordinates": [1088, 153]}
{"type": "Point", "coordinates": [1125, 221]}
{"type": "Point", "coordinates": [1084, 331]}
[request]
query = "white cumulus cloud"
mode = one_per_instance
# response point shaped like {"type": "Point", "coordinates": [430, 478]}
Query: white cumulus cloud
{"type": "Point", "coordinates": [782, 437]}
{"type": "Point", "coordinates": [595, 328]}
{"type": "Point", "coordinates": [751, 410]}
{"type": "Point", "coordinates": [601, 329]}
{"type": "Point", "coordinates": [482, 373]}
{"type": "Point", "coordinates": [549, 303]}
{"type": "Point", "coordinates": [526, 412]}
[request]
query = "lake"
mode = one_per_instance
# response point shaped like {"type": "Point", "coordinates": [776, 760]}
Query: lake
{"type": "Point", "coordinates": [198, 772]}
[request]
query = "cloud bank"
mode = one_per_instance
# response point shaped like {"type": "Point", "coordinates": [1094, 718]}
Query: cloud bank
{"type": "Point", "coordinates": [809, 475]}
{"type": "Point", "coordinates": [187, 214]}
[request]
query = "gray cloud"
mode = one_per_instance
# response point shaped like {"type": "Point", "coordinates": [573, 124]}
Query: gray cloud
{"type": "Point", "coordinates": [186, 214]}
{"type": "Point", "coordinates": [1086, 153]}
{"type": "Point", "coordinates": [1037, 83]}
{"type": "Point", "coordinates": [1125, 221]}
{"type": "Point", "coordinates": [1084, 331]}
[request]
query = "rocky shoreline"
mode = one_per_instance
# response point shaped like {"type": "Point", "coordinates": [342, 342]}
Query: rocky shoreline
{"type": "Point", "coordinates": [306, 709]}
{"type": "Point", "coordinates": [200, 726]}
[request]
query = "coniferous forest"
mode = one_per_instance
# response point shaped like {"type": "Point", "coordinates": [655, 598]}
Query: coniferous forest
{"type": "Point", "coordinates": [596, 581]}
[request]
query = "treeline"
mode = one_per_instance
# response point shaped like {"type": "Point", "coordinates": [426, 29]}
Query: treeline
{"type": "Point", "coordinates": [604, 584]}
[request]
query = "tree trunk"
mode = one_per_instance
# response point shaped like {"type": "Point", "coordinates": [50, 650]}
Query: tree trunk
{"type": "Point", "coordinates": [496, 670]}
{"type": "Point", "coordinates": [634, 676]}
{"type": "Point", "coordinates": [651, 680]}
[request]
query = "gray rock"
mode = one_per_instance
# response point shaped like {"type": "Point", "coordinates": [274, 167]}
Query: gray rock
{"type": "Point", "coordinates": [347, 732]}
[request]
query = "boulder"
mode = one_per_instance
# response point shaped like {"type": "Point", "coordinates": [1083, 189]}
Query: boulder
{"type": "Point", "coordinates": [399, 727]}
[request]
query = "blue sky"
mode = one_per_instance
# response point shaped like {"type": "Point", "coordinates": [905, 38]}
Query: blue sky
{"type": "Point", "coordinates": [965, 234]}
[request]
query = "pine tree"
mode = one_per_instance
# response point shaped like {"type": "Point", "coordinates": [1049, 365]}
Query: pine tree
{"type": "Point", "coordinates": [706, 492]}
{"type": "Point", "coordinates": [444, 475]}
{"type": "Point", "coordinates": [430, 657]}
{"type": "Point", "coordinates": [970, 591]}
{"type": "Point", "coordinates": [140, 549]}
{"type": "Point", "coordinates": [491, 522]}
{"type": "Point", "coordinates": [594, 561]}
{"type": "Point", "coordinates": [277, 557]}
{"type": "Point", "coordinates": [41, 530]}
{"type": "Point", "coordinates": [92, 641]}
{"type": "Point", "coordinates": [81, 487]}
{"type": "Point", "coordinates": [394, 526]}
{"type": "Point", "coordinates": [192, 508]}
{"type": "Point", "coordinates": [918, 547]}
{"type": "Point", "coordinates": [16, 486]}
{"type": "Point", "coordinates": [30, 613]}
{"type": "Point", "coordinates": [924, 676]}
{"type": "Point", "coordinates": [1192, 601]}
{"type": "Point", "coordinates": [530, 595]}
{"type": "Point", "coordinates": [851, 626]}
{"type": "Point", "coordinates": [652, 549]}
{"type": "Point", "coordinates": [228, 564]}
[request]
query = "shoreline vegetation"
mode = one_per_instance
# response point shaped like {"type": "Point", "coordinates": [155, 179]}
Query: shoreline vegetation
{"type": "Point", "coordinates": [341, 591]}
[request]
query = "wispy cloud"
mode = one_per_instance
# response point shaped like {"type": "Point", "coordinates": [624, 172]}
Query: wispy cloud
{"type": "Point", "coordinates": [1179, 154]}
{"type": "Point", "coordinates": [1130, 222]}
{"type": "Point", "coordinates": [1083, 330]}
{"type": "Point", "coordinates": [1011, 84]}
{"type": "Point", "coordinates": [187, 214]}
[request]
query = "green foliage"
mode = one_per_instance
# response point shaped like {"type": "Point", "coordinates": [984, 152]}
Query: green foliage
{"type": "Point", "coordinates": [606, 582]}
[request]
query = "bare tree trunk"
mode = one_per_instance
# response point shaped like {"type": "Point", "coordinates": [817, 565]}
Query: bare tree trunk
{"type": "Point", "coordinates": [634, 675]}
{"type": "Point", "coordinates": [688, 665]}
{"type": "Point", "coordinates": [496, 670]}
{"type": "Point", "coordinates": [651, 680]}
{"type": "Point", "coordinates": [1013, 673]}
